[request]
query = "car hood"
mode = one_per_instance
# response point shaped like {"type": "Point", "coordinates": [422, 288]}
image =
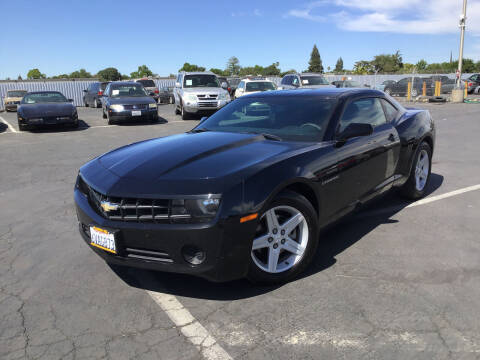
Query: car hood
{"type": "Point", "coordinates": [124, 100]}
{"type": "Point", "coordinates": [204, 90]}
{"type": "Point", "coordinates": [317, 86]}
{"type": "Point", "coordinates": [191, 163]}
{"type": "Point", "coordinates": [46, 109]}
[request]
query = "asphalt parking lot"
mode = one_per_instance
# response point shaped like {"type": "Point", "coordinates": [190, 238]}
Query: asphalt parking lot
{"type": "Point", "coordinates": [394, 281]}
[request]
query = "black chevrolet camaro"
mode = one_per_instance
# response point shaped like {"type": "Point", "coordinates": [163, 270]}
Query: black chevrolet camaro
{"type": "Point", "coordinates": [245, 193]}
{"type": "Point", "coordinates": [46, 108]}
{"type": "Point", "coordinates": [128, 100]}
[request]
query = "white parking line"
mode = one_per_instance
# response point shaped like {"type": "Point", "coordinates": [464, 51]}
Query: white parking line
{"type": "Point", "coordinates": [427, 200]}
{"type": "Point", "coordinates": [12, 129]}
{"type": "Point", "coordinates": [190, 327]}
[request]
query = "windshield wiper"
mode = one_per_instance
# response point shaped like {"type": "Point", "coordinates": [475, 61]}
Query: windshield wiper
{"type": "Point", "coordinates": [199, 130]}
{"type": "Point", "coordinates": [267, 136]}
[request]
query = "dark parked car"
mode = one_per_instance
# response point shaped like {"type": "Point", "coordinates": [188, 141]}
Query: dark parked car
{"type": "Point", "coordinates": [400, 88]}
{"type": "Point", "coordinates": [348, 84]}
{"type": "Point", "coordinates": [46, 108]}
{"type": "Point", "coordinates": [246, 192]}
{"type": "Point", "coordinates": [166, 95]}
{"type": "Point", "coordinates": [223, 79]}
{"type": "Point", "coordinates": [473, 82]}
{"type": "Point", "coordinates": [128, 101]}
{"type": "Point", "coordinates": [93, 95]}
{"type": "Point", "coordinates": [150, 87]}
{"type": "Point", "coordinates": [448, 84]}
{"type": "Point", "coordinates": [233, 82]}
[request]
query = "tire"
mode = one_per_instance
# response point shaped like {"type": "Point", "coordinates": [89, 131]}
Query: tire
{"type": "Point", "coordinates": [22, 127]}
{"type": "Point", "coordinates": [177, 112]}
{"type": "Point", "coordinates": [437, 99]}
{"type": "Point", "coordinates": [85, 103]}
{"type": "Point", "coordinates": [95, 104]}
{"type": "Point", "coordinates": [285, 205]}
{"type": "Point", "coordinates": [109, 120]}
{"type": "Point", "coordinates": [103, 114]}
{"type": "Point", "coordinates": [415, 188]}
{"type": "Point", "coordinates": [185, 114]}
{"type": "Point", "coordinates": [75, 125]}
{"type": "Point", "coordinates": [170, 100]}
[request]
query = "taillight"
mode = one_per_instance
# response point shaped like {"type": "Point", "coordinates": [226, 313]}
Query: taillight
{"type": "Point", "coordinates": [229, 89]}
{"type": "Point", "coordinates": [470, 84]}
{"type": "Point", "coordinates": [156, 91]}
{"type": "Point", "coordinates": [100, 92]}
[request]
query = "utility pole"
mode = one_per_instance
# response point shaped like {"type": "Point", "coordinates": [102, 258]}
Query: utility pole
{"type": "Point", "coordinates": [463, 19]}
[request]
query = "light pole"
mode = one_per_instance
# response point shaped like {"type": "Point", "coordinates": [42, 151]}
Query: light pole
{"type": "Point", "coordinates": [463, 19]}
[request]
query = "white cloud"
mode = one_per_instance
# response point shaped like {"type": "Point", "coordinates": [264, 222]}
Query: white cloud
{"type": "Point", "coordinates": [398, 16]}
{"type": "Point", "coordinates": [257, 12]}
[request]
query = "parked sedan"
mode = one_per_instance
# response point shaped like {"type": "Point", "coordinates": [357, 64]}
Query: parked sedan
{"type": "Point", "coordinates": [400, 88]}
{"type": "Point", "coordinates": [128, 101]}
{"type": "Point", "coordinates": [46, 108]}
{"type": "Point", "coordinates": [94, 93]}
{"type": "Point", "coordinates": [150, 87]}
{"type": "Point", "coordinates": [13, 99]}
{"type": "Point", "coordinates": [246, 192]}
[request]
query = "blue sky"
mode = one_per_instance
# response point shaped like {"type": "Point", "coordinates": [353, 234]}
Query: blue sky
{"type": "Point", "coordinates": [63, 36]}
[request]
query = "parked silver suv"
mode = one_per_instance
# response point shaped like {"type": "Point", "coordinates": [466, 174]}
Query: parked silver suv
{"type": "Point", "coordinates": [199, 93]}
{"type": "Point", "coordinates": [304, 80]}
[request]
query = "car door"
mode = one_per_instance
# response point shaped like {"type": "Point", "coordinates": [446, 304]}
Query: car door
{"type": "Point", "coordinates": [176, 89]}
{"type": "Point", "coordinates": [365, 163]}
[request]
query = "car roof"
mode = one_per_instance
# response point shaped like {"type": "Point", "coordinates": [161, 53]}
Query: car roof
{"type": "Point", "coordinates": [44, 92]}
{"type": "Point", "coordinates": [124, 83]}
{"type": "Point", "coordinates": [256, 80]}
{"type": "Point", "coordinates": [198, 73]}
{"type": "Point", "coordinates": [324, 92]}
{"type": "Point", "coordinates": [17, 90]}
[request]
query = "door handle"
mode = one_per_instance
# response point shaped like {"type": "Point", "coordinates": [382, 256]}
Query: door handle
{"type": "Point", "coordinates": [391, 137]}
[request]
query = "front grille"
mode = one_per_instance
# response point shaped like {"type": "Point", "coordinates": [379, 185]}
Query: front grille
{"type": "Point", "coordinates": [131, 209]}
{"type": "Point", "coordinates": [207, 104]}
{"type": "Point", "coordinates": [207, 97]}
{"type": "Point", "coordinates": [135, 107]}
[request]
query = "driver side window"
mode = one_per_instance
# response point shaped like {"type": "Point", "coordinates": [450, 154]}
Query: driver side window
{"type": "Point", "coordinates": [364, 111]}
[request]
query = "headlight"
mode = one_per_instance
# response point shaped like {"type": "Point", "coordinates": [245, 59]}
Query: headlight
{"type": "Point", "coordinates": [116, 107]}
{"type": "Point", "coordinates": [190, 97]}
{"type": "Point", "coordinates": [152, 106]}
{"type": "Point", "coordinates": [223, 96]}
{"type": "Point", "coordinates": [194, 210]}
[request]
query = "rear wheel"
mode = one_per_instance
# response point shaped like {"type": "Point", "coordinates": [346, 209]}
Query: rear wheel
{"type": "Point", "coordinates": [285, 241]}
{"type": "Point", "coordinates": [417, 182]}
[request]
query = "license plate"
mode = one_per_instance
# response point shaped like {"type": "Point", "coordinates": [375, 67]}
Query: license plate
{"type": "Point", "coordinates": [102, 239]}
{"type": "Point", "coordinates": [136, 113]}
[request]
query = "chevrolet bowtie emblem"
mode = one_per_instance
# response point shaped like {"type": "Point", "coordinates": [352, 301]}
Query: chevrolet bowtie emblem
{"type": "Point", "coordinates": [108, 206]}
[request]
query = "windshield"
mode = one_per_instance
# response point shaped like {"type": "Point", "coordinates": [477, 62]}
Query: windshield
{"type": "Point", "coordinates": [147, 83]}
{"type": "Point", "coordinates": [130, 90]}
{"type": "Point", "coordinates": [288, 117]}
{"type": "Point", "coordinates": [16, 93]}
{"type": "Point", "coordinates": [314, 80]}
{"type": "Point", "coordinates": [260, 86]}
{"type": "Point", "coordinates": [200, 81]}
{"type": "Point", "coordinates": [44, 97]}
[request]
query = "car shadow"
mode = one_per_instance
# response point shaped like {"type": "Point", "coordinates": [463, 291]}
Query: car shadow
{"type": "Point", "coordinates": [82, 125]}
{"type": "Point", "coordinates": [3, 127]}
{"type": "Point", "coordinates": [333, 241]}
{"type": "Point", "coordinates": [161, 120]}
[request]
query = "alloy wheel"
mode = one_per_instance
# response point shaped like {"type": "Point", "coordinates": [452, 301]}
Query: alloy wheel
{"type": "Point", "coordinates": [281, 239]}
{"type": "Point", "coordinates": [421, 170]}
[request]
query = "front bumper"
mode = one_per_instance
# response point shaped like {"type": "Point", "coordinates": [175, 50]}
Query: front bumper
{"type": "Point", "coordinates": [11, 107]}
{"type": "Point", "coordinates": [48, 120]}
{"type": "Point", "coordinates": [198, 107]}
{"type": "Point", "coordinates": [226, 243]}
{"type": "Point", "coordinates": [127, 115]}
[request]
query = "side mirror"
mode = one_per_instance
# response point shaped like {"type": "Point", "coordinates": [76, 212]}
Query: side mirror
{"type": "Point", "coordinates": [151, 94]}
{"type": "Point", "coordinates": [203, 119]}
{"type": "Point", "coordinates": [85, 91]}
{"type": "Point", "coordinates": [70, 100]}
{"type": "Point", "coordinates": [224, 85]}
{"type": "Point", "coordinates": [177, 84]}
{"type": "Point", "coordinates": [355, 130]}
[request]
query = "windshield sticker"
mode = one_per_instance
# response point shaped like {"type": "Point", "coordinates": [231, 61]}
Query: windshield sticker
{"type": "Point", "coordinates": [115, 92]}
{"type": "Point", "coordinates": [188, 82]}
{"type": "Point", "coordinates": [305, 81]}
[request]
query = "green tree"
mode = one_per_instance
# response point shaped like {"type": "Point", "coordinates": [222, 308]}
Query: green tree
{"type": "Point", "coordinates": [388, 63]}
{"type": "Point", "coordinates": [233, 66]}
{"type": "Point", "coordinates": [291, 71]}
{"type": "Point", "coordinates": [315, 63]}
{"type": "Point", "coordinates": [80, 74]}
{"type": "Point", "coordinates": [363, 67]}
{"type": "Point", "coordinates": [35, 74]}
{"type": "Point", "coordinates": [142, 71]}
{"type": "Point", "coordinates": [409, 68]}
{"type": "Point", "coordinates": [421, 65]}
{"type": "Point", "coordinates": [339, 65]}
{"type": "Point", "coordinates": [61, 76]}
{"type": "Point", "coordinates": [219, 72]}
{"type": "Point", "coordinates": [109, 74]}
{"type": "Point", "coordinates": [468, 66]}
{"type": "Point", "coordinates": [272, 70]}
{"type": "Point", "coordinates": [19, 77]}
{"type": "Point", "coordinates": [172, 76]}
{"type": "Point", "coordinates": [191, 67]}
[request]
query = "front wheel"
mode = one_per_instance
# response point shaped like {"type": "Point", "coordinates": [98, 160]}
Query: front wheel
{"type": "Point", "coordinates": [285, 241]}
{"type": "Point", "coordinates": [417, 182]}
{"type": "Point", "coordinates": [185, 114]}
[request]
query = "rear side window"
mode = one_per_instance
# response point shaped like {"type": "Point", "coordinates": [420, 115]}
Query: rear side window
{"type": "Point", "coordinates": [390, 110]}
{"type": "Point", "coordinates": [364, 111]}
{"type": "Point", "coordinates": [287, 80]}
{"type": "Point", "coordinates": [295, 81]}
{"type": "Point", "coordinates": [146, 83]}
